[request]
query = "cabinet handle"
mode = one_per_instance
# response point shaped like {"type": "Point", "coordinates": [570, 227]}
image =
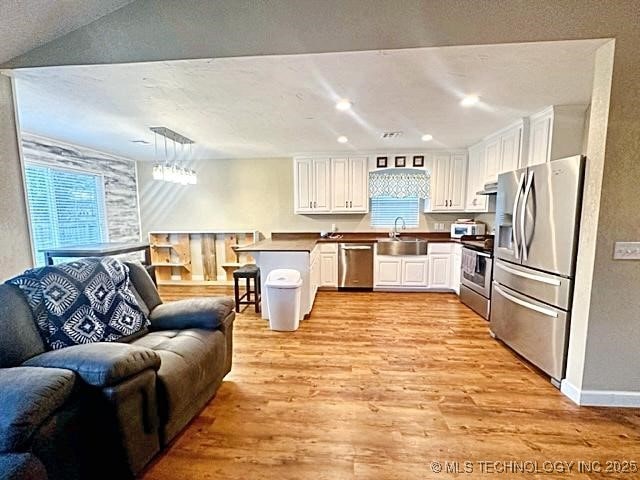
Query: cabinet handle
{"type": "Point", "coordinates": [350, 204]}
{"type": "Point", "coordinates": [310, 204]}
{"type": "Point", "coordinates": [315, 204]}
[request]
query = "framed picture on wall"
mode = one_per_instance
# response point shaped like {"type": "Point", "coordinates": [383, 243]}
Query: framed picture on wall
{"type": "Point", "coordinates": [401, 161]}
{"type": "Point", "coordinates": [381, 162]}
{"type": "Point", "coordinates": [418, 160]}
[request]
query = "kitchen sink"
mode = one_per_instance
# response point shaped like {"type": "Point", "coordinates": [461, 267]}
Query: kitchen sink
{"type": "Point", "coordinates": [402, 246]}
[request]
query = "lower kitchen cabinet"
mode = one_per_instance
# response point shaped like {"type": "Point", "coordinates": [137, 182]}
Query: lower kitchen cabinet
{"type": "Point", "coordinates": [414, 271]}
{"type": "Point", "coordinates": [328, 265]}
{"type": "Point", "coordinates": [388, 271]}
{"type": "Point", "coordinates": [440, 271]}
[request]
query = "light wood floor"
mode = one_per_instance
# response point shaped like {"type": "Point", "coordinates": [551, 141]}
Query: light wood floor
{"type": "Point", "coordinates": [379, 386]}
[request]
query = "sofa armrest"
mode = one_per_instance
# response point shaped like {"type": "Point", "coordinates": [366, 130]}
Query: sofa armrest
{"type": "Point", "coordinates": [21, 466]}
{"type": "Point", "coordinates": [100, 364]}
{"type": "Point", "coordinates": [28, 397]}
{"type": "Point", "coordinates": [206, 312]}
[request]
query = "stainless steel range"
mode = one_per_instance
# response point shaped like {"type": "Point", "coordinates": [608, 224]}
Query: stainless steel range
{"type": "Point", "coordinates": [477, 272]}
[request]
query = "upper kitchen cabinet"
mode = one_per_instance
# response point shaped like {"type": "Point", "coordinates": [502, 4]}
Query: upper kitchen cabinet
{"type": "Point", "coordinates": [556, 132]}
{"type": "Point", "coordinates": [349, 181]}
{"type": "Point", "coordinates": [475, 180]}
{"type": "Point", "coordinates": [312, 185]}
{"type": "Point", "coordinates": [449, 182]}
{"type": "Point", "coordinates": [330, 185]}
{"type": "Point", "coordinates": [503, 151]}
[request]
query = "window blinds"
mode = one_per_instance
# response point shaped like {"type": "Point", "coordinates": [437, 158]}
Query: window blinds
{"type": "Point", "coordinates": [66, 208]}
{"type": "Point", "coordinates": [384, 211]}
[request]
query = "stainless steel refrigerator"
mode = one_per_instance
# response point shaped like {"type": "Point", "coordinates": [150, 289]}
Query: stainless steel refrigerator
{"type": "Point", "coordinates": [537, 222]}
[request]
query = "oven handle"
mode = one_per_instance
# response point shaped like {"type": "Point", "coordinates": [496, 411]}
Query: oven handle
{"type": "Point", "coordinates": [545, 311]}
{"type": "Point", "coordinates": [471, 251]}
{"type": "Point", "coordinates": [529, 276]}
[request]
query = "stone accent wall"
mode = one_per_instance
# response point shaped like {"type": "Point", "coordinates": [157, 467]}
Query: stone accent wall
{"type": "Point", "coordinates": [120, 183]}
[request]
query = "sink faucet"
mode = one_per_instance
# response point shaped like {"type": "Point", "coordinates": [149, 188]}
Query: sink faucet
{"type": "Point", "coordinates": [394, 233]}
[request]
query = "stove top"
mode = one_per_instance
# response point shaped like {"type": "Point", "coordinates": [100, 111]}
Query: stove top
{"type": "Point", "coordinates": [482, 243]}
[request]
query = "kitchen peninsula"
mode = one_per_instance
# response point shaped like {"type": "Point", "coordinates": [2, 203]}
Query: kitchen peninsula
{"type": "Point", "coordinates": [316, 258]}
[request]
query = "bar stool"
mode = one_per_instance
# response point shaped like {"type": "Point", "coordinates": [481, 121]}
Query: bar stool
{"type": "Point", "coordinates": [248, 272]}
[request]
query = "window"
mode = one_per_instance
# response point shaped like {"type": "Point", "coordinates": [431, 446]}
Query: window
{"type": "Point", "coordinates": [66, 207]}
{"type": "Point", "coordinates": [384, 211]}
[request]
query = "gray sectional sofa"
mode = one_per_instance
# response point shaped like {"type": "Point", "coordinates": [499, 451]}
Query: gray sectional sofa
{"type": "Point", "coordinates": [104, 410]}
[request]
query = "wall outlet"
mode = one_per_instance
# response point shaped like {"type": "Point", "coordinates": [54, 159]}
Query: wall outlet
{"type": "Point", "coordinates": [626, 251]}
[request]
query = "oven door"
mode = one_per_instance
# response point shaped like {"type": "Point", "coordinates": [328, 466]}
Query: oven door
{"type": "Point", "coordinates": [476, 271]}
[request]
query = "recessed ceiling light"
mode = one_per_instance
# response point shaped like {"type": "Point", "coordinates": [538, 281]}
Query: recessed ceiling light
{"type": "Point", "coordinates": [426, 137]}
{"type": "Point", "coordinates": [469, 100]}
{"type": "Point", "coordinates": [343, 105]}
{"type": "Point", "coordinates": [342, 139]}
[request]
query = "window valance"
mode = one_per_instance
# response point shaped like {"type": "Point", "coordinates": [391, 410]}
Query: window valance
{"type": "Point", "coordinates": [400, 184]}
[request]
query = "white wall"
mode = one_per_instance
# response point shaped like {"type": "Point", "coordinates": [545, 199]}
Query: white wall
{"type": "Point", "coordinates": [255, 193]}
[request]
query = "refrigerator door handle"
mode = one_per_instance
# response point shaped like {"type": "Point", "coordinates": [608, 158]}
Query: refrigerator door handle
{"type": "Point", "coordinates": [523, 214]}
{"type": "Point", "coordinates": [545, 311]}
{"type": "Point", "coordinates": [514, 217]}
{"type": "Point", "coordinates": [529, 276]}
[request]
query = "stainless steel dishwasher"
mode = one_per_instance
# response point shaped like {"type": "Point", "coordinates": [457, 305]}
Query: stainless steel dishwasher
{"type": "Point", "coordinates": [355, 265]}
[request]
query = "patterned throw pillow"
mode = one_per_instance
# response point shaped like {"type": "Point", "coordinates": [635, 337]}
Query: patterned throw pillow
{"type": "Point", "coordinates": [84, 301]}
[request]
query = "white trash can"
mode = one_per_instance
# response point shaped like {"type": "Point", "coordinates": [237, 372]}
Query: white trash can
{"type": "Point", "coordinates": [284, 287]}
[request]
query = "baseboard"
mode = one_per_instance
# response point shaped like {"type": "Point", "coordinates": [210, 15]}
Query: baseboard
{"type": "Point", "coordinates": [600, 398]}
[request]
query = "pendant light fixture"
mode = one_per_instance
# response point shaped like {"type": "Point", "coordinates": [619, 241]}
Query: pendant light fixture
{"type": "Point", "coordinates": [173, 170]}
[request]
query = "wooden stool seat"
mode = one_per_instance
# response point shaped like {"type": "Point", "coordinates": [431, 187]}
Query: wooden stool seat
{"type": "Point", "coordinates": [248, 272]}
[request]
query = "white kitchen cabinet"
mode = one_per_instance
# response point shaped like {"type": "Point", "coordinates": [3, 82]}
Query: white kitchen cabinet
{"type": "Point", "coordinates": [492, 159]}
{"type": "Point", "coordinates": [414, 271]}
{"type": "Point", "coordinates": [449, 182]}
{"type": "Point", "coordinates": [312, 185]}
{"type": "Point", "coordinates": [503, 151]}
{"type": "Point", "coordinates": [440, 271]}
{"type": "Point", "coordinates": [328, 265]}
{"type": "Point", "coordinates": [510, 148]}
{"type": "Point", "coordinates": [349, 178]}
{"type": "Point", "coordinates": [556, 132]}
{"type": "Point", "coordinates": [388, 271]}
{"type": "Point", "coordinates": [314, 273]}
{"type": "Point", "coordinates": [475, 180]}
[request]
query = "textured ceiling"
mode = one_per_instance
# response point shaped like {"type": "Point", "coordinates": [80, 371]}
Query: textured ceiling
{"type": "Point", "coordinates": [27, 24]}
{"type": "Point", "coordinates": [280, 105]}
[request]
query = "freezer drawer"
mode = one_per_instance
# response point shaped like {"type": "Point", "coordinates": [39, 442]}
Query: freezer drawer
{"type": "Point", "coordinates": [534, 330]}
{"type": "Point", "coordinates": [545, 287]}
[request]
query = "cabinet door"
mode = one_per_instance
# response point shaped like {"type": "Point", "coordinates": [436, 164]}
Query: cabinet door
{"type": "Point", "coordinates": [510, 150]}
{"type": "Point", "coordinates": [358, 185]}
{"type": "Point", "coordinates": [322, 185]}
{"type": "Point", "coordinates": [340, 184]}
{"type": "Point", "coordinates": [492, 159]}
{"type": "Point", "coordinates": [440, 271]}
{"type": "Point", "coordinates": [458, 181]}
{"type": "Point", "coordinates": [475, 180]}
{"type": "Point", "coordinates": [303, 185]}
{"type": "Point", "coordinates": [540, 144]}
{"type": "Point", "coordinates": [328, 270]}
{"type": "Point", "coordinates": [441, 180]}
{"type": "Point", "coordinates": [388, 271]}
{"type": "Point", "coordinates": [414, 272]}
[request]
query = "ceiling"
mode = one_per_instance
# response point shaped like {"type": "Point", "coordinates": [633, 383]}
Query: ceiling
{"type": "Point", "coordinates": [27, 24]}
{"type": "Point", "coordinates": [281, 105]}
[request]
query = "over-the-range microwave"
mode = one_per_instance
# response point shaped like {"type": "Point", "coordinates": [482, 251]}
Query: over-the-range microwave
{"type": "Point", "coordinates": [460, 229]}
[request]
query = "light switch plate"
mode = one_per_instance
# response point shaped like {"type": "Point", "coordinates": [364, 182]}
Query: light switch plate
{"type": "Point", "coordinates": [626, 251]}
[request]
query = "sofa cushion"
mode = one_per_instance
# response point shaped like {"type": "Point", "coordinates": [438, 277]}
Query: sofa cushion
{"type": "Point", "coordinates": [100, 364]}
{"type": "Point", "coordinates": [28, 396]}
{"type": "Point", "coordinates": [21, 466]}
{"type": "Point", "coordinates": [84, 301]}
{"type": "Point", "coordinates": [203, 312]}
{"type": "Point", "coordinates": [191, 361]}
{"type": "Point", "coordinates": [19, 336]}
{"type": "Point", "coordinates": [144, 285]}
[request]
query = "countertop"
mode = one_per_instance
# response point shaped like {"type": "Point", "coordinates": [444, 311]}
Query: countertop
{"type": "Point", "coordinates": [306, 241]}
